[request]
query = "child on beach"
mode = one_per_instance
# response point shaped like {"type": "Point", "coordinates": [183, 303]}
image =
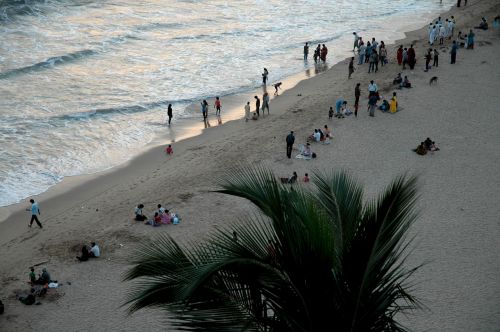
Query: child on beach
{"type": "Point", "coordinates": [217, 106]}
{"type": "Point", "coordinates": [330, 113]}
{"type": "Point", "coordinates": [169, 149]}
{"type": "Point", "coordinates": [306, 178]}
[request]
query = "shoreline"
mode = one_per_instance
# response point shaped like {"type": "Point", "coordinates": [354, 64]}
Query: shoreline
{"type": "Point", "coordinates": [459, 239]}
{"type": "Point", "coordinates": [190, 128]}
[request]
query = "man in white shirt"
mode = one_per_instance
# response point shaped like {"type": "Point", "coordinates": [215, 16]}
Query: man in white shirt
{"type": "Point", "coordinates": [94, 250]}
{"type": "Point", "coordinates": [372, 88]}
{"type": "Point", "coordinates": [317, 135]}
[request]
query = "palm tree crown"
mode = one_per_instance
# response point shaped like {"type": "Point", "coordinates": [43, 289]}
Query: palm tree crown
{"type": "Point", "coordinates": [312, 260]}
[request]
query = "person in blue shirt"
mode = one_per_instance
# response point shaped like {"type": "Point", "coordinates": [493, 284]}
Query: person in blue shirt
{"type": "Point", "coordinates": [34, 211]}
{"type": "Point", "coordinates": [338, 107]}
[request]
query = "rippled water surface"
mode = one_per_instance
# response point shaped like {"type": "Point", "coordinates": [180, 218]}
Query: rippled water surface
{"type": "Point", "coordinates": [84, 84]}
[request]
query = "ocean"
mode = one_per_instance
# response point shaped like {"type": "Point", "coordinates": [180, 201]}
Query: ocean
{"type": "Point", "coordinates": [84, 85]}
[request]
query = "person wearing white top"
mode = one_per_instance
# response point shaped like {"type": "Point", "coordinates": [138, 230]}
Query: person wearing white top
{"type": "Point", "coordinates": [94, 250]}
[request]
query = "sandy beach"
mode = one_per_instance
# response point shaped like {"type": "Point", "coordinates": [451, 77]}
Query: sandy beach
{"type": "Point", "coordinates": [457, 234]}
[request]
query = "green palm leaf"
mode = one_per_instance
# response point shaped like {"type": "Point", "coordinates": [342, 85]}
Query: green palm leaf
{"type": "Point", "coordinates": [307, 261]}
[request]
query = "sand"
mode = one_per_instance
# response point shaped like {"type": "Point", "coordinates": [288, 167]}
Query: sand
{"type": "Point", "coordinates": [458, 233]}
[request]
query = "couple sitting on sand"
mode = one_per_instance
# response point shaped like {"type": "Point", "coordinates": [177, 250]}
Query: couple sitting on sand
{"type": "Point", "coordinates": [427, 145]}
{"type": "Point", "coordinates": [320, 135]}
{"type": "Point", "coordinates": [294, 178]}
{"type": "Point", "coordinates": [93, 252]}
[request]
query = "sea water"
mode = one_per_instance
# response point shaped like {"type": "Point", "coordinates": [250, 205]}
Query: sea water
{"type": "Point", "coordinates": [84, 85]}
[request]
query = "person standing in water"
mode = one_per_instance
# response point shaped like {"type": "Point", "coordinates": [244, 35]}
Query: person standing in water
{"type": "Point", "coordinates": [169, 113]}
{"type": "Point", "coordinates": [204, 109]}
{"type": "Point", "coordinates": [217, 105]}
{"type": "Point", "coordinates": [265, 74]}
{"type": "Point", "coordinates": [35, 210]}
{"type": "Point", "coordinates": [257, 105]}
{"type": "Point", "coordinates": [306, 51]}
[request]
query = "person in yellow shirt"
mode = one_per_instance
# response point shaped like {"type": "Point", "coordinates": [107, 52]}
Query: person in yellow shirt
{"type": "Point", "coordinates": [393, 104]}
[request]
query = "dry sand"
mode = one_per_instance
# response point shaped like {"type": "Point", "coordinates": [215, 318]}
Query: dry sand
{"type": "Point", "coordinates": [458, 233]}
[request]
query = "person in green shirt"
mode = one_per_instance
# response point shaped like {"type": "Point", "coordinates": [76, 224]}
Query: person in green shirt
{"type": "Point", "coordinates": [32, 276]}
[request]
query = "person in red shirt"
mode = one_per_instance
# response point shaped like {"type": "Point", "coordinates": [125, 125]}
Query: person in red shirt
{"type": "Point", "coordinates": [217, 105]}
{"type": "Point", "coordinates": [169, 149]}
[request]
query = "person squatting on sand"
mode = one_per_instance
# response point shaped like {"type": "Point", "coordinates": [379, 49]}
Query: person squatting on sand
{"type": "Point", "coordinates": [93, 252]}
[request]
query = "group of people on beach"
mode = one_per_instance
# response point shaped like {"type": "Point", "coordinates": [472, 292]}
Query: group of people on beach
{"type": "Point", "coordinates": [426, 146]}
{"type": "Point", "coordinates": [373, 53]}
{"type": "Point", "coordinates": [162, 216]}
{"type": "Point", "coordinates": [320, 52]}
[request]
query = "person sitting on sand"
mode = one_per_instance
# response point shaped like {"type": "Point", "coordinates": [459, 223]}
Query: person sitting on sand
{"type": "Point", "coordinates": [306, 178]}
{"type": "Point", "coordinates": [406, 83]}
{"type": "Point", "coordinates": [307, 151]}
{"type": "Point", "coordinates": [293, 178]}
{"type": "Point", "coordinates": [339, 105]}
{"type": "Point", "coordinates": [139, 216]}
{"type": "Point", "coordinates": [327, 132]}
{"type": "Point", "coordinates": [165, 217]}
{"type": "Point", "coordinates": [255, 116]}
{"type": "Point", "coordinates": [169, 149]}
{"type": "Point", "coordinates": [421, 150]}
{"type": "Point", "coordinates": [397, 80]}
{"type": "Point", "coordinates": [44, 278]}
{"type": "Point", "coordinates": [483, 25]}
{"type": "Point", "coordinates": [29, 299]}
{"type": "Point", "coordinates": [384, 107]}
{"type": "Point", "coordinates": [156, 220]}
{"type": "Point", "coordinates": [393, 108]}
{"type": "Point", "coordinates": [85, 254]}
{"type": "Point", "coordinates": [433, 147]}
{"type": "Point", "coordinates": [94, 251]}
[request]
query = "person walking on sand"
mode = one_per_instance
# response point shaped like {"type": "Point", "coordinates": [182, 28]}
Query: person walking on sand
{"type": "Point", "coordinates": [247, 111]}
{"type": "Point", "coordinates": [169, 113]}
{"type": "Point", "coordinates": [382, 54]}
{"type": "Point", "coordinates": [453, 52]}
{"type": "Point", "coordinates": [265, 103]}
{"type": "Point", "coordinates": [290, 139]}
{"type": "Point", "coordinates": [35, 210]}
{"type": "Point", "coordinates": [399, 55]}
{"type": "Point", "coordinates": [257, 105]}
{"type": "Point", "coordinates": [357, 94]}
{"type": "Point", "coordinates": [306, 51]}
{"type": "Point", "coordinates": [351, 67]}
{"type": "Point", "coordinates": [265, 74]}
{"type": "Point", "coordinates": [217, 106]}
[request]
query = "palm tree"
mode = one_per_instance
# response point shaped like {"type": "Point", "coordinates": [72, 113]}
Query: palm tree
{"type": "Point", "coordinates": [311, 260]}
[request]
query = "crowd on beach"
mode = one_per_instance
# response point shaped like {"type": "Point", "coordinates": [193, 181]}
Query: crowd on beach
{"type": "Point", "coordinates": [373, 53]}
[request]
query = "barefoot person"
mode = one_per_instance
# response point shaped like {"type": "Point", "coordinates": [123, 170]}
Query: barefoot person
{"type": "Point", "coordinates": [169, 113]}
{"type": "Point", "coordinates": [351, 67]}
{"type": "Point", "coordinates": [34, 211]}
{"type": "Point", "coordinates": [217, 106]}
{"type": "Point", "coordinates": [290, 139]}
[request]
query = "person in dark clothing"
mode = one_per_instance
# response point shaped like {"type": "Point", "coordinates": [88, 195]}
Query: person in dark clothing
{"type": "Point", "coordinates": [428, 58]}
{"type": "Point", "coordinates": [453, 52]}
{"type": "Point", "coordinates": [28, 299]}
{"type": "Point", "coordinates": [290, 139]}
{"type": "Point", "coordinates": [411, 57]}
{"type": "Point", "coordinates": [1, 308]}
{"type": "Point", "coordinates": [351, 67]}
{"type": "Point", "coordinates": [257, 105]}
{"type": "Point", "coordinates": [436, 58]}
{"type": "Point", "coordinates": [44, 278]}
{"type": "Point", "coordinates": [169, 113]}
{"type": "Point", "coordinates": [357, 94]}
{"type": "Point", "coordinates": [85, 254]}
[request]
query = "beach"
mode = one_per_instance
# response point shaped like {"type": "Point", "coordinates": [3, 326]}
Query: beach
{"type": "Point", "coordinates": [457, 234]}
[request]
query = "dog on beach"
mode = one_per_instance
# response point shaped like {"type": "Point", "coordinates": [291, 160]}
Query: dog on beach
{"type": "Point", "coordinates": [433, 80]}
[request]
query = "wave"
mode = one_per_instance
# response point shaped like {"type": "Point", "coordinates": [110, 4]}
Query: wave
{"type": "Point", "coordinates": [47, 64]}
